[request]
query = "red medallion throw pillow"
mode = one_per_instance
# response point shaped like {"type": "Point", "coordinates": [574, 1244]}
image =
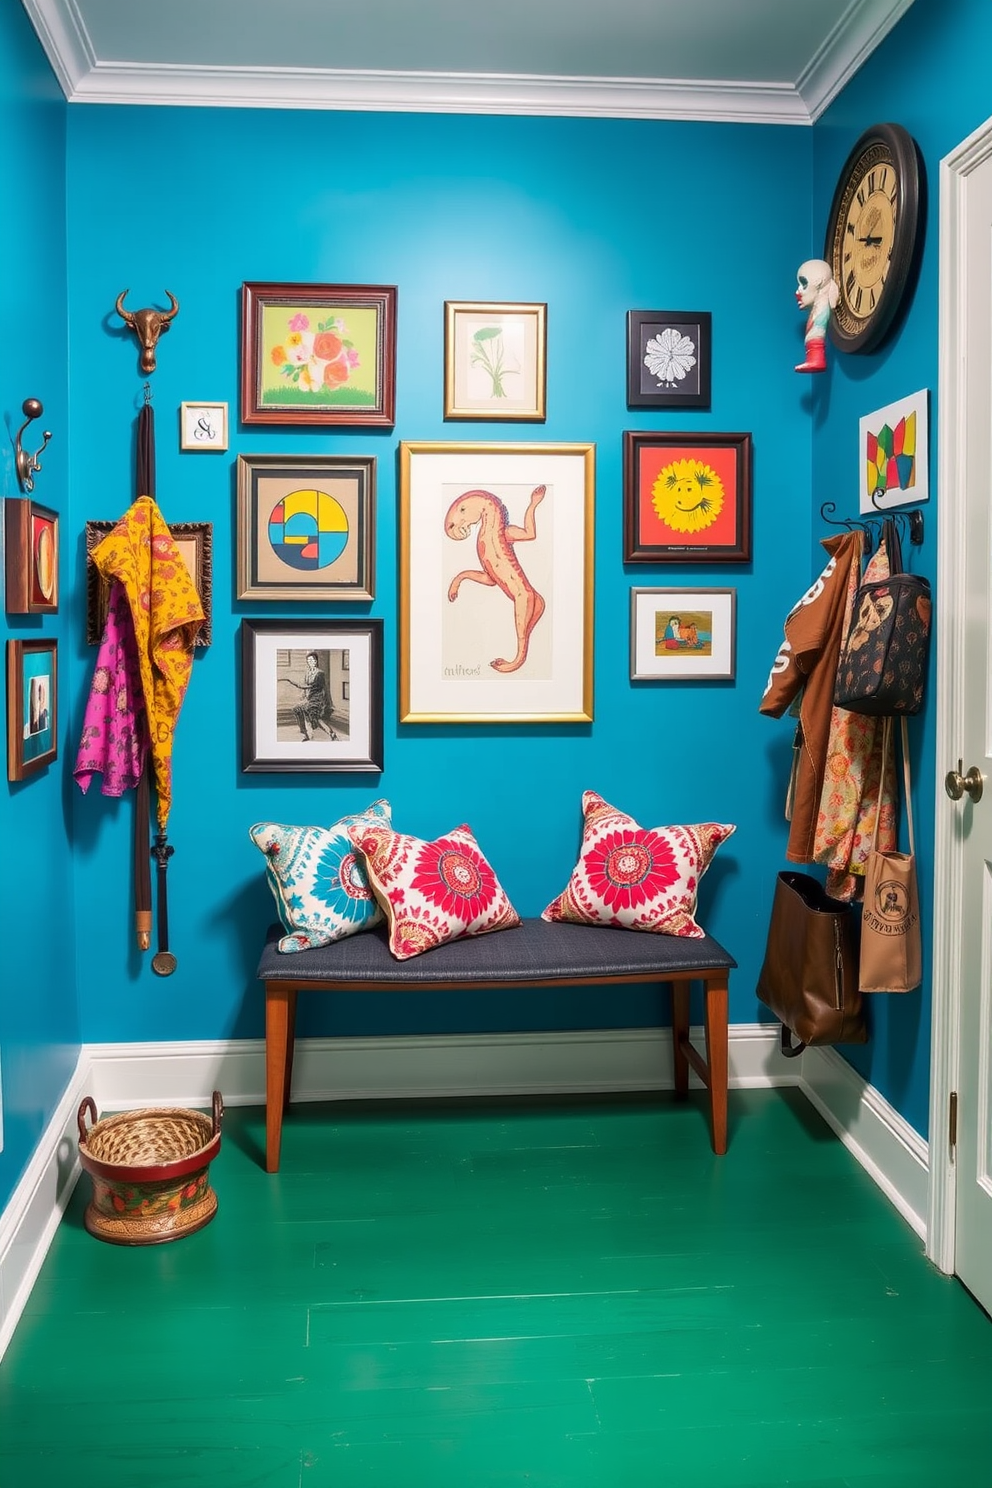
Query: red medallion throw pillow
{"type": "Point", "coordinates": [639, 878]}
{"type": "Point", "coordinates": [431, 891]}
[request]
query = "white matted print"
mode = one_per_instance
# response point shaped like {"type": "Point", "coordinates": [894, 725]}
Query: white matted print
{"type": "Point", "coordinates": [496, 583]}
{"type": "Point", "coordinates": [494, 360]}
{"type": "Point", "coordinates": [682, 635]}
{"type": "Point", "coordinates": [311, 695]}
{"type": "Point", "coordinates": [893, 452]}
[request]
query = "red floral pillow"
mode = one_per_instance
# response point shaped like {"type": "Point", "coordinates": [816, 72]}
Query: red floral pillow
{"type": "Point", "coordinates": [636, 877]}
{"type": "Point", "coordinates": [431, 891]}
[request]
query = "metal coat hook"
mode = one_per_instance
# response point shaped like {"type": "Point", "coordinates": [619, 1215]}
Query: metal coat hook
{"type": "Point", "coordinates": [26, 463]}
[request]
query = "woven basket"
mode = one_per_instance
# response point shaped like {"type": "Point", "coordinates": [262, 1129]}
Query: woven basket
{"type": "Point", "coordinates": [150, 1172]}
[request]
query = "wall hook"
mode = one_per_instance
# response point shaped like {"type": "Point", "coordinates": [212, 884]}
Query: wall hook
{"type": "Point", "coordinates": [26, 463]}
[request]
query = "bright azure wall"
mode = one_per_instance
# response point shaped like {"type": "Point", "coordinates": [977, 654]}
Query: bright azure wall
{"type": "Point", "coordinates": [39, 1032]}
{"type": "Point", "coordinates": [905, 81]}
{"type": "Point", "coordinates": [593, 217]}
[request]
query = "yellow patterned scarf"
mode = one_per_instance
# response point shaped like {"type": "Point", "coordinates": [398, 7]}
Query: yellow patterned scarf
{"type": "Point", "coordinates": [140, 553]}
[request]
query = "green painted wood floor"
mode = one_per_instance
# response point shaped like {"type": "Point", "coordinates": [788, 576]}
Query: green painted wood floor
{"type": "Point", "coordinates": [545, 1296]}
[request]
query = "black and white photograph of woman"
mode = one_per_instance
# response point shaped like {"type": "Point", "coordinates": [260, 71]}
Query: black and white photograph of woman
{"type": "Point", "coordinates": [311, 696]}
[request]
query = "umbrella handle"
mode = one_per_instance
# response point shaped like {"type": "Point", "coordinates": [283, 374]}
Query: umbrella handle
{"type": "Point", "coordinates": [163, 961]}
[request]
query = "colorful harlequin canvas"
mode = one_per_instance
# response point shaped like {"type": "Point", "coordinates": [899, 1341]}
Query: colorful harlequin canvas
{"type": "Point", "coordinates": [894, 454]}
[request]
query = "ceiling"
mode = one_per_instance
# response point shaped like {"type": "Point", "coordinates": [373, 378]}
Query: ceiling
{"type": "Point", "coordinates": [745, 61]}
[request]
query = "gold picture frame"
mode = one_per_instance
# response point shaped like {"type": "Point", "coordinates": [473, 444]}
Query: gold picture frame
{"type": "Point", "coordinates": [497, 628]}
{"type": "Point", "coordinates": [495, 360]}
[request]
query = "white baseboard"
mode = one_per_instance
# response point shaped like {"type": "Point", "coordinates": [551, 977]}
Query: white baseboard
{"type": "Point", "coordinates": [129, 1076]}
{"type": "Point", "coordinates": [883, 1142]}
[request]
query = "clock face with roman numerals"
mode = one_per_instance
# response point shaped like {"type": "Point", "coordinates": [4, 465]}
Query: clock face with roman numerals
{"type": "Point", "coordinates": [872, 236]}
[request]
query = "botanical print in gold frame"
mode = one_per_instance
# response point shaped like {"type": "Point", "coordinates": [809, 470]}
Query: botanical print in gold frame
{"type": "Point", "coordinates": [494, 360]}
{"type": "Point", "coordinates": [195, 543]}
{"type": "Point", "coordinates": [32, 706]}
{"type": "Point", "coordinates": [496, 583]}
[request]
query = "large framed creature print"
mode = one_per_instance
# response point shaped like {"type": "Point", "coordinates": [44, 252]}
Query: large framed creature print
{"type": "Point", "coordinates": [496, 583]}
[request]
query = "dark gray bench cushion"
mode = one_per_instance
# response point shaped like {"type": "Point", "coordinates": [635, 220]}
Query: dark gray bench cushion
{"type": "Point", "coordinates": [536, 950]}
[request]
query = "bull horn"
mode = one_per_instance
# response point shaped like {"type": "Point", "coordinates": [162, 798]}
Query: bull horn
{"type": "Point", "coordinates": [170, 314]}
{"type": "Point", "coordinates": [125, 315]}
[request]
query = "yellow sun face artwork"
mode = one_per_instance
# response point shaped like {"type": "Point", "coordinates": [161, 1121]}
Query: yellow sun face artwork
{"type": "Point", "coordinates": [687, 495]}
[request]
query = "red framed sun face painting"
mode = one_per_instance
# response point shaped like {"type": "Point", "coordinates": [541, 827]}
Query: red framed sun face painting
{"type": "Point", "coordinates": [686, 498]}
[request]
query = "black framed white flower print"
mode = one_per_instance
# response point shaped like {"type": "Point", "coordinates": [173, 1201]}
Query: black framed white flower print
{"type": "Point", "coordinates": [668, 358]}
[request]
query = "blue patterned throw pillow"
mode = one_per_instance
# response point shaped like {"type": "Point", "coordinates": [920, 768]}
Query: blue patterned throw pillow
{"type": "Point", "coordinates": [318, 880]}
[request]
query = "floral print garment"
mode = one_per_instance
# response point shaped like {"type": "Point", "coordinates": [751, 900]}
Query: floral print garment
{"type": "Point", "coordinates": [115, 729]}
{"type": "Point", "coordinates": [141, 555]}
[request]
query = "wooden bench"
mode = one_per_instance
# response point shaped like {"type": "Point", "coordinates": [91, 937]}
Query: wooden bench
{"type": "Point", "coordinates": [536, 954]}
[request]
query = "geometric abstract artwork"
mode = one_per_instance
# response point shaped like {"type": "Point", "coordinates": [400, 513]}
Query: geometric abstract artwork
{"type": "Point", "coordinates": [894, 455]}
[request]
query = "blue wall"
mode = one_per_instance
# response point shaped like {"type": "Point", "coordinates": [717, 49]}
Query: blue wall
{"type": "Point", "coordinates": [39, 1034]}
{"type": "Point", "coordinates": [908, 80]}
{"type": "Point", "coordinates": [594, 217]}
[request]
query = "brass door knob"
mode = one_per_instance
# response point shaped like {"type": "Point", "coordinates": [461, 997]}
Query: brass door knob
{"type": "Point", "coordinates": [955, 784]}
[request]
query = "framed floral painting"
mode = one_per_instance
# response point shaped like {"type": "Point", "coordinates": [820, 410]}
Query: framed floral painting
{"type": "Point", "coordinates": [682, 635]}
{"type": "Point", "coordinates": [496, 583]}
{"type": "Point", "coordinates": [668, 358]}
{"type": "Point", "coordinates": [686, 498]}
{"type": "Point", "coordinates": [494, 360]}
{"type": "Point", "coordinates": [318, 354]}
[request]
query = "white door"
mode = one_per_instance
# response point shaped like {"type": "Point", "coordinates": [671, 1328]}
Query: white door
{"type": "Point", "coordinates": [963, 946]}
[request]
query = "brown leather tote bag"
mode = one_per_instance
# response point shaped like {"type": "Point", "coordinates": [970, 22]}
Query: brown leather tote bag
{"type": "Point", "coordinates": [809, 978]}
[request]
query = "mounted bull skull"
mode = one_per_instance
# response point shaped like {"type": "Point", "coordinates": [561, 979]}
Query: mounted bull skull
{"type": "Point", "coordinates": [147, 325]}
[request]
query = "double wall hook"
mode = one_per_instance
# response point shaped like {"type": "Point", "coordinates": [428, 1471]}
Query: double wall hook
{"type": "Point", "coordinates": [26, 463]}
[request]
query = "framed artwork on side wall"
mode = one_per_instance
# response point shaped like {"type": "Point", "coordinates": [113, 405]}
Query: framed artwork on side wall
{"type": "Point", "coordinates": [311, 695]}
{"type": "Point", "coordinates": [306, 527]}
{"type": "Point", "coordinates": [32, 706]}
{"type": "Point", "coordinates": [32, 557]}
{"type": "Point", "coordinates": [894, 449]}
{"type": "Point", "coordinates": [496, 583]}
{"type": "Point", "coordinates": [320, 354]}
{"type": "Point", "coordinates": [686, 498]}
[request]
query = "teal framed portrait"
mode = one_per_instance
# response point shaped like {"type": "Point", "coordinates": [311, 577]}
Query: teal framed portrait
{"type": "Point", "coordinates": [32, 706]}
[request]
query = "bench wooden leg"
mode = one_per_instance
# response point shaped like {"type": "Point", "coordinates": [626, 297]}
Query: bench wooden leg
{"type": "Point", "coordinates": [680, 1037]}
{"type": "Point", "coordinates": [717, 1058]}
{"type": "Point", "coordinates": [280, 1036]}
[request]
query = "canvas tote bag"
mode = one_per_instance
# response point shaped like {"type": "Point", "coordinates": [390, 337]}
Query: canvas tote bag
{"type": "Point", "coordinates": [891, 942]}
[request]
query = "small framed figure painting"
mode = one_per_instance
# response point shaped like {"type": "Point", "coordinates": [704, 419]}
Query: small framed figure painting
{"type": "Point", "coordinates": [496, 583]}
{"type": "Point", "coordinates": [686, 498]}
{"type": "Point", "coordinates": [32, 557]}
{"type": "Point", "coordinates": [668, 358]}
{"type": "Point", "coordinates": [682, 635]}
{"type": "Point", "coordinates": [306, 527]}
{"type": "Point", "coordinates": [194, 541]}
{"type": "Point", "coordinates": [32, 706]}
{"type": "Point", "coordinates": [311, 695]}
{"type": "Point", "coordinates": [321, 354]}
{"type": "Point", "coordinates": [494, 360]}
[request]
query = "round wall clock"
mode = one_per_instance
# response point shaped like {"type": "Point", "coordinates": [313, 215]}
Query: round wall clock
{"type": "Point", "coordinates": [873, 233]}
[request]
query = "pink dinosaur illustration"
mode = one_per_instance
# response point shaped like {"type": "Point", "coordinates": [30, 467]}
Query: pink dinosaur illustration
{"type": "Point", "coordinates": [500, 565]}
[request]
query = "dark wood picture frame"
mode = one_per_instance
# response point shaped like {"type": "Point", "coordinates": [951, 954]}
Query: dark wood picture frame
{"type": "Point", "coordinates": [195, 541]}
{"type": "Point", "coordinates": [32, 706]}
{"type": "Point", "coordinates": [333, 491]}
{"type": "Point", "coordinates": [32, 557]}
{"type": "Point", "coordinates": [669, 358]}
{"type": "Point", "coordinates": [686, 497]}
{"type": "Point", "coordinates": [322, 354]}
{"type": "Point", "coordinates": [282, 727]}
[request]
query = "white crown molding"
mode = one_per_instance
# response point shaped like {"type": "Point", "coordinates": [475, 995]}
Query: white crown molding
{"type": "Point", "coordinates": [84, 78]}
{"type": "Point", "coordinates": [864, 25]}
{"type": "Point", "coordinates": [443, 93]}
